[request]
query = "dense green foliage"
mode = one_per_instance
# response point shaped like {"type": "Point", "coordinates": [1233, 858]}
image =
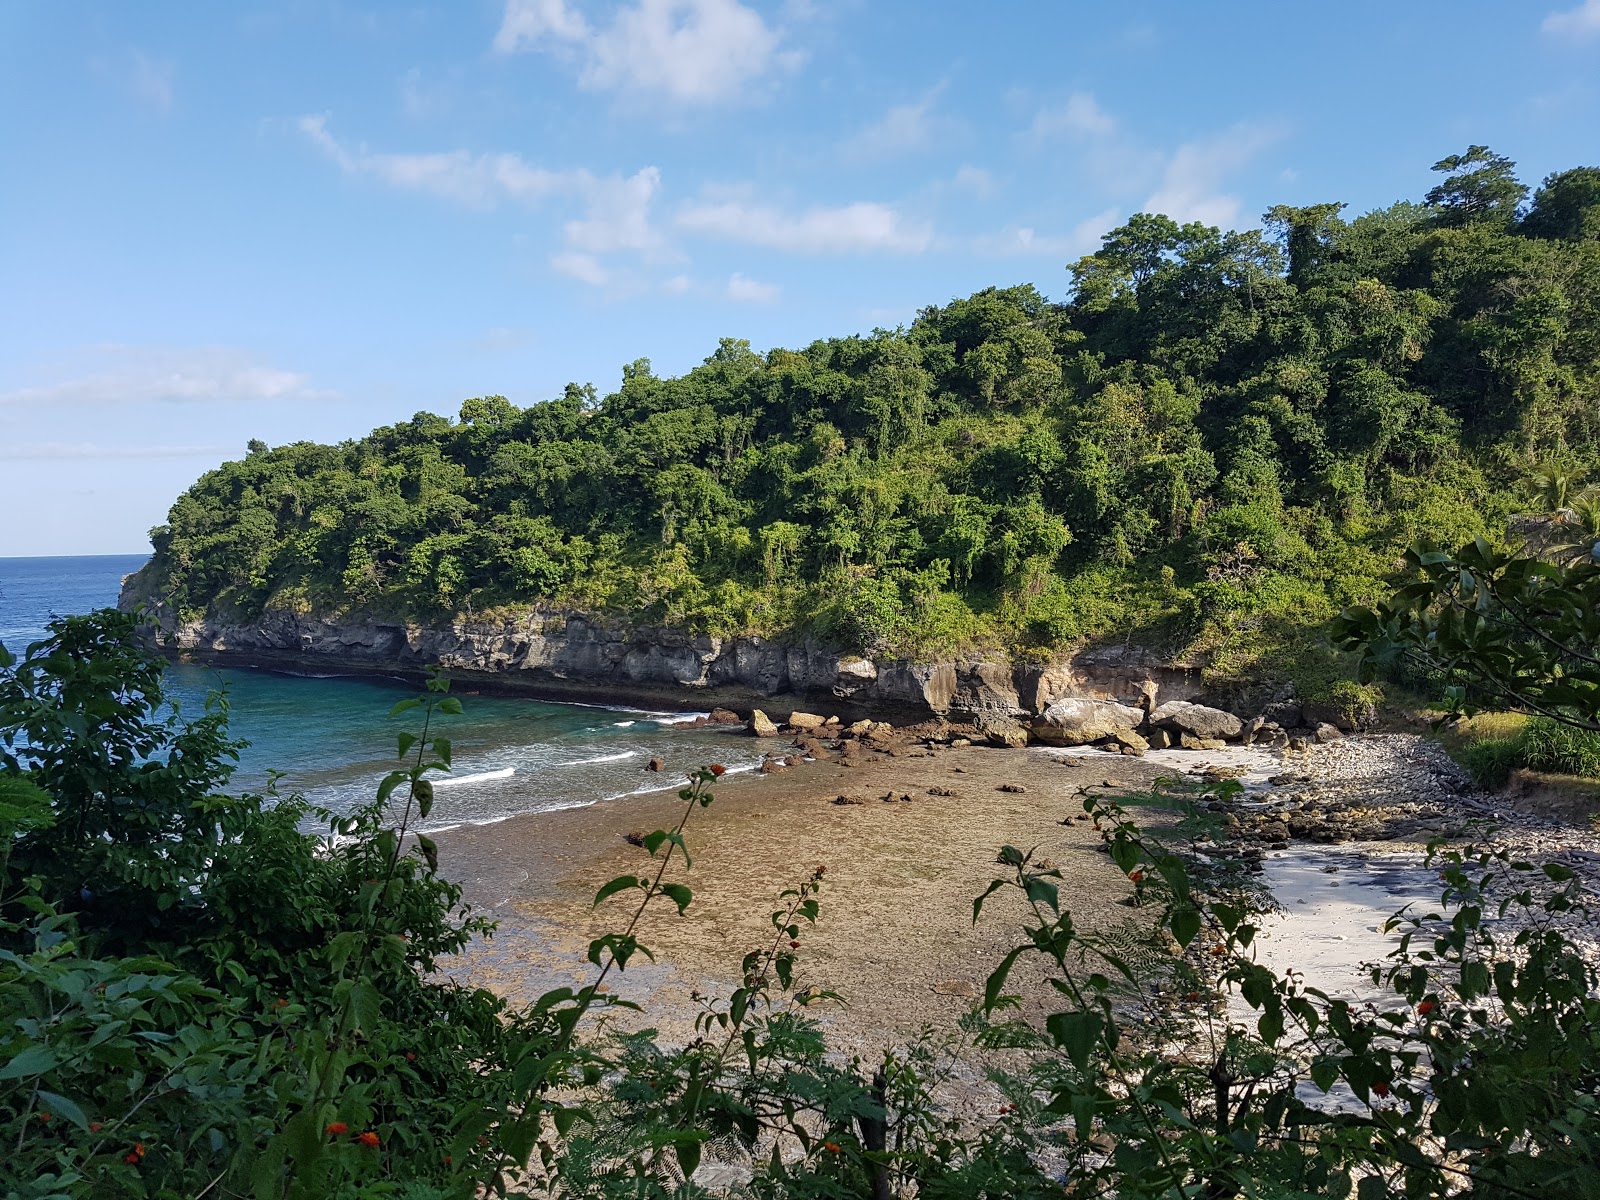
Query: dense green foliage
{"type": "Point", "coordinates": [1219, 439]}
{"type": "Point", "coordinates": [200, 998]}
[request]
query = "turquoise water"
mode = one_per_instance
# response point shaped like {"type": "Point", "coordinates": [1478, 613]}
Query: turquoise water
{"type": "Point", "coordinates": [332, 738]}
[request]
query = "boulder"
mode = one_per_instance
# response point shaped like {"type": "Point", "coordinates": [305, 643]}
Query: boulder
{"type": "Point", "coordinates": [1078, 721]}
{"type": "Point", "coordinates": [761, 725]}
{"type": "Point", "coordinates": [1329, 732]}
{"type": "Point", "coordinates": [1197, 720]}
{"type": "Point", "coordinates": [805, 720]}
{"type": "Point", "coordinates": [1131, 743]}
{"type": "Point", "coordinates": [722, 716]}
{"type": "Point", "coordinates": [857, 728]}
{"type": "Point", "coordinates": [655, 764]}
{"type": "Point", "coordinates": [1189, 741]}
{"type": "Point", "coordinates": [1005, 733]}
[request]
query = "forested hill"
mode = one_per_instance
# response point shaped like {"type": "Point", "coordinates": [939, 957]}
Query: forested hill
{"type": "Point", "coordinates": [1214, 443]}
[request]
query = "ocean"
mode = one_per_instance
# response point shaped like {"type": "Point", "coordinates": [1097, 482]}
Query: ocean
{"type": "Point", "coordinates": [332, 739]}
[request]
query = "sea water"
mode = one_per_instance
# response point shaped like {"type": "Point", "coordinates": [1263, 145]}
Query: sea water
{"type": "Point", "coordinates": [332, 738]}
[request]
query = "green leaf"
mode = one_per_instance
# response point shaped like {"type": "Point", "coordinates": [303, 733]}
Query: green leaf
{"type": "Point", "coordinates": [678, 894]}
{"type": "Point", "coordinates": [1076, 1033]}
{"type": "Point", "coordinates": [619, 884]}
{"type": "Point", "coordinates": [62, 1107]}
{"type": "Point", "coordinates": [35, 1060]}
{"type": "Point", "coordinates": [688, 1151]}
{"type": "Point", "coordinates": [1041, 891]}
{"type": "Point", "coordinates": [404, 707]}
{"type": "Point", "coordinates": [405, 741]}
{"type": "Point", "coordinates": [442, 748]}
{"type": "Point", "coordinates": [430, 851]}
{"type": "Point", "coordinates": [977, 905]}
{"type": "Point", "coordinates": [1185, 925]}
{"type": "Point", "coordinates": [997, 977]}
{"type": "Point", "coordinates": [450, 706]}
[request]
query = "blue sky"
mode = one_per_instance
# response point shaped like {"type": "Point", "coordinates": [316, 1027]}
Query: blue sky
{"type": "Point", "coordinates": [306, 218]}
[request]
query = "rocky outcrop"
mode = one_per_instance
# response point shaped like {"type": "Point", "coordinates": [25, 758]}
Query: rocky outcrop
{"type": "Point", "coordinates": [1196, 720]}
{"type": "Point", "coordinates": [567, 655]}
{"type": "Point", "coordinates": [1079, 721]}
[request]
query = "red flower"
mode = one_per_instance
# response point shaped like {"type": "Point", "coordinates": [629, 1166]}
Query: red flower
{"type": "Point", "coordinates": [131, 1159]}
{"type": "Point", "coordinates": [1426, 1007]}
{"type": "Point", "coordinates": [411, 1056]}
{"type": "Point", "coordinates": [717, 769]}
{"type": "Point", "coordinates": [794, 945]}
{"type": "Point", "coordinates": [44, 1116]}
{"type": "Point", "coordinates": [336, 1128]}
{"type": "Point", "coordinates": [95, 1127]}
{"type": "Point", "coordinates": [1136, 876]}
{"type": "Point", "coordinates": [368, 1138]}
{"type": "Point", "coordinates": [1380, 1089]}
{"type": "Point", "coordinates": [280, 1003]}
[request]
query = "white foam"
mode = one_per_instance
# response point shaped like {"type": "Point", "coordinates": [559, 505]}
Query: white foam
{"type": "Point", "coordinates": [481, 777]}
{"type": "Point", "coordinates": [624, 724]}
{"type": "Point", "coordinates": [679, 718]}
{"type": "Point", "coordinates": [604, 758]}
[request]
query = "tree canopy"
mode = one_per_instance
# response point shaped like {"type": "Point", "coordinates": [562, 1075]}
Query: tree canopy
{"type": "Point", "coordinates": [1217, 439]}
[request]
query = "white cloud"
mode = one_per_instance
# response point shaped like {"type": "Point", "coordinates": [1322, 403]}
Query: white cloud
{"type": "Point", "coordinates": [151, 80]}
{"type": "Point", "coordinates": [677, 285]}
{"type": "Point", "coordinates": [749, 291]}
{"type": "Point", "coordinates": [848, 229]}
{"type": "Point", "coordinates": [526, 22]}
{"type": "Point", "coordinates": [977, 181]}
{"type": "Point", "coordinates": [134, 374]}
{"type": "Point", "coordinates": [618, 216]}
{"type": "Point", "coordinates": [1580, 22]}
{"type": "Point", "coordinates": [478, 180]}
{"type": "Point", "coordinates": [60, 450]}
{"type": "Point", "coordinates": [693, 51]}
{"type": "Point", "coordinates": [1080, 117]}
{"type": "Point", "coordinates": [585, 268]}
{"type": "Point", "coordinates": [901, 130]}
{"type": "Point", "coordinates": [1190, 187]}
{"type": "Point", "coordinates": [1024, 241]}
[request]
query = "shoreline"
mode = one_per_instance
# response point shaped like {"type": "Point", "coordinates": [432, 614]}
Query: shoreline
{"type": "Point", "coordinates": [895, 935]}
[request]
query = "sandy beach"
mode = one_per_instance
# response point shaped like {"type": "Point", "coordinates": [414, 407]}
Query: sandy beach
{"type": "Point", "coordinates": [895, 936]}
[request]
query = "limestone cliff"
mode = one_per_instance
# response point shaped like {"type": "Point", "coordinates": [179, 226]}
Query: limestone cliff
{"type": "Point", "coordinates": [574, 656]}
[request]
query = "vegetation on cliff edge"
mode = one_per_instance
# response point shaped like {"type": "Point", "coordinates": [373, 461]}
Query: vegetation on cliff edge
{"type": "Point", "coordinates": [1217, 441]}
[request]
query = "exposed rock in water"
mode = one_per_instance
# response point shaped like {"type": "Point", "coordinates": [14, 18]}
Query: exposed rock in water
{"type": "Point", "coordinates": [761, 725]}
{"type": "Point", "coordinates": [805, 720]}
{"type": "Point", "coordinates": [655, 764]}
{"type": "Point", "coordinates": [723, 716]}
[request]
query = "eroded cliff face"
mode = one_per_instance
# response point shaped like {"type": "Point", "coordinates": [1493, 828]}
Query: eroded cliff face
{"type": "Point", "coordinates": [572, 656]}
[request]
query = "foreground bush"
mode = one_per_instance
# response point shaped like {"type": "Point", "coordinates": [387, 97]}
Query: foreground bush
{"type": "Point", "coordinates": [200, 998]}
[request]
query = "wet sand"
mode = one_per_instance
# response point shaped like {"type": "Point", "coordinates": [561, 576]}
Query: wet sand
{"type": "Point", "coordinates": [895, 936]}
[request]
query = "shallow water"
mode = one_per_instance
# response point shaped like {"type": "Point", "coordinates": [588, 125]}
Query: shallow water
{"type": "Point", "coordinates": [332, 737]}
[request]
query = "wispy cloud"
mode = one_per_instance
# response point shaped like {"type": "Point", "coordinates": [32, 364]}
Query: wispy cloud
{"type": "Point", "coordinates": [79, 450]}
{"type": "Point", "coordinates": [1025, 241]}
{"type": "Point", "coordinates": [691, 51]}
{"type": "Point", "coordinates": [616, 216]}
{"type": "Point", "coordinates": [859, 228]}
{"type": "Point", "coordinates": [977, 180]}
{"type": "Point", "coordinates": [1080, 117]}
{"type": "Point", "coordinates": [1191, 185]}
{"type": "Point", "coordinates": [1580, 22]}
{"type": "Point", "coordinates": [134, 374]}
{"type": "Point", "coordinates": [749, 291]}
{"type": "Point", "coordinates": [151, 80]}
{"type": "Point", "coordinates": [476, 180]}
{"type": "Point", "coordinates": [905, 128]}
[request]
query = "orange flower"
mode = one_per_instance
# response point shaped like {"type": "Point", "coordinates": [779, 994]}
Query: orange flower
{"type": "Point", "coordinates": [367, 1138]}
{"type": "Point", "coordinates": [1426, 1007]}
{"type": "Point", "coordinates": [138, 1148]}
{"type": "Point", "coordinates": [831, 1147]}
{"type": "Point", "coordinates": [44, 1116]}
{"type": "Point", "coordinates": [717, 769]}
{"type": "Point", "coordinates": [335, 1128]}
{"type": "Point", "coordinates": [280, 1003]}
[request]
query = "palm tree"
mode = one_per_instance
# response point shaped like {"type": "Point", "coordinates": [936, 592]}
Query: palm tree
{"type": "Point", "coordinates": [1583, 523]}
{"type": "Point", "coordinates": [1552, 491]}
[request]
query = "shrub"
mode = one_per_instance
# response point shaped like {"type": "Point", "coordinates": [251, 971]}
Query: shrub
{"type": "Point", "coordinates": [1547, 745]}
